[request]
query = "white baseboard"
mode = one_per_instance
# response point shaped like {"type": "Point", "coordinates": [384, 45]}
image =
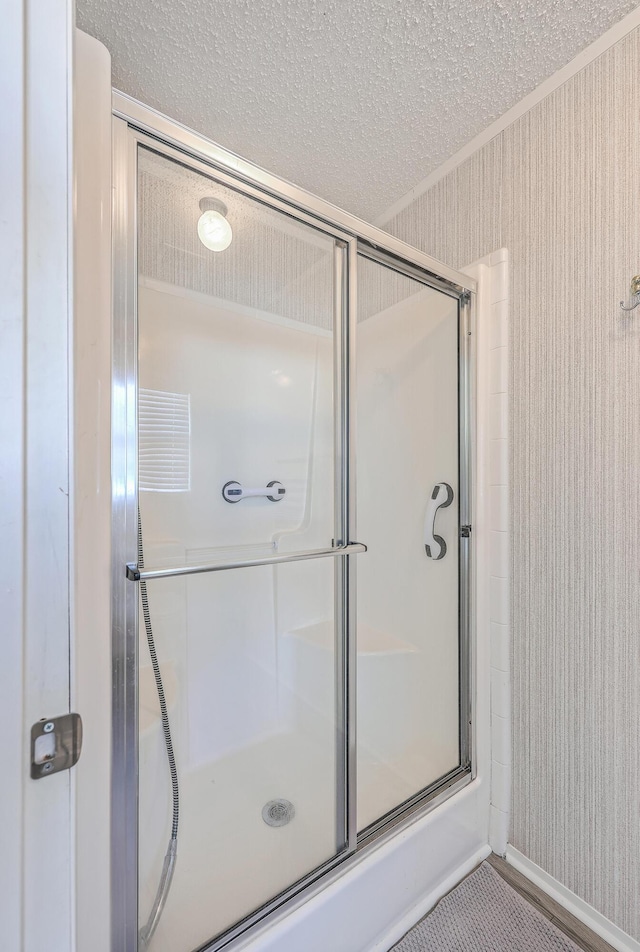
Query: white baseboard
{"type": "Point", "coordinates": [417, 912]}
{"type": "Point", "coordinates": [572, 903]}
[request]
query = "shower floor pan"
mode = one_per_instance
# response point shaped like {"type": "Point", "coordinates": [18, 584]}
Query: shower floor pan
{"type": "Point", "coordinates": [229, 860]}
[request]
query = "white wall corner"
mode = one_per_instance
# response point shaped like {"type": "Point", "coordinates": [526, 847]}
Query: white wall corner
{"type": "Point", "coordinates": [36, 237]}
{"type": "Point", "coordinates": [91, 511]}
{"type": "Point", "coordinates": [491, 527]}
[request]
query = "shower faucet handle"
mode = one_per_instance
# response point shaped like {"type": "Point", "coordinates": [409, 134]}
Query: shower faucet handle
{"type": "Point", "coordinates": [441, 497]}
{"type": "Point", "coordinates": [233, 491]}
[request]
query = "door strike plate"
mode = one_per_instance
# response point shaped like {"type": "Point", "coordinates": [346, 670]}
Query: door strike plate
{"type": "Point", "coordinates": [56, 743]}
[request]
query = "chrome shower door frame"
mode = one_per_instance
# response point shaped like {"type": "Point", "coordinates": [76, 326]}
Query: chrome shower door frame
{"type": "Point", "coordinates": [135, 126]}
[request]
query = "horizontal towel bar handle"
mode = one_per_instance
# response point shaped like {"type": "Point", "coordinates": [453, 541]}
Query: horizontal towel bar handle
{"type": "Point", "coordinates": [135, 574]}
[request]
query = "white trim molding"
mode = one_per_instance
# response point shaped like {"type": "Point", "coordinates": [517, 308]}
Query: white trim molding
{"type": "Point", "coordinates": [491, 528]}
{"type": "Point", "coordinates": [586, 914]}
{"type": "Point", "coordinates": [12, 475]}
{"type": "Point", "coordinates": [90, 535]}
{"type": "Point", "coordinates": [588, 55]}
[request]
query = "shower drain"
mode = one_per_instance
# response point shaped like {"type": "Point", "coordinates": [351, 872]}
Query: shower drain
{"type": "Point", "coordinates": [278, 812]}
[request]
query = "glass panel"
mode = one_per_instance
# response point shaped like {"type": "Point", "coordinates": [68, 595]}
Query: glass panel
{"type": "Point", "coordinates": [407, 442]}
{"type": "Point", "coordinates": [235, 374]}
{"type": "Point", "coordinates": [235, 390]}
{"type": "Point", "coordinates": [248, 662]}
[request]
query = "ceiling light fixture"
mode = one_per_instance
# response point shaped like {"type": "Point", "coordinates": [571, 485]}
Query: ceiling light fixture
{"type": "Point", "coordinates": [214, 231]}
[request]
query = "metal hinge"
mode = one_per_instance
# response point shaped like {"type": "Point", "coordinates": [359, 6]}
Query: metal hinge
{"type": "Point", "coordinates": [465, 531]}
{"type": "Point", "coordinates": [56, 743]}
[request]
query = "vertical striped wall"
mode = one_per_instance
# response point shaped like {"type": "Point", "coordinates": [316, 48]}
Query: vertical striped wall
{"type": "Point", "coordinates": [560, 188]}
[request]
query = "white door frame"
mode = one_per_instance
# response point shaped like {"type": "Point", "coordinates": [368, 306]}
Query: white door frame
{"type": "Point", "coordinates": [36, 835]}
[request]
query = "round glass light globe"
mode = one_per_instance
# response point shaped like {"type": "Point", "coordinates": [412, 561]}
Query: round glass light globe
{"type": "Point", "coordinates": [214, 231]}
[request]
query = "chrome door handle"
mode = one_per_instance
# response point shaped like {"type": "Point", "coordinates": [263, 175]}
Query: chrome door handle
{"type": "Point", "coordinates": [441, 497]}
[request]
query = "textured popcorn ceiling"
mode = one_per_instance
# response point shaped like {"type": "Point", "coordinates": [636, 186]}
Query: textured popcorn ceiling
{"type": "Point", "coordinates": [356, 100]}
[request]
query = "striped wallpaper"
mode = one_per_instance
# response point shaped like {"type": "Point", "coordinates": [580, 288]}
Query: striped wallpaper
{"type": "Point", "coordinates": [560, 188]}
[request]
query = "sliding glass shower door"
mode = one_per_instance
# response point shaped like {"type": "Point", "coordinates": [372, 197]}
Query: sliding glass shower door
{"type": "Point", "coordinates": [236, 465]}
{"type": "Point", "coordinates": [408, 509]}
{"type": "Point", "coordinates": [291, 489]}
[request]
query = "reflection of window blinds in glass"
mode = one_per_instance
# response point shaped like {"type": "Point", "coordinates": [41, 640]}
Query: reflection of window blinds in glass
{"type": "Point", "coordinates": [164, 422]}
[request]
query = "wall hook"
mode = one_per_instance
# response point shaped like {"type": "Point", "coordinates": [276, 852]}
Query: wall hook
{"type": "Point", "coordinates": [634, 292]}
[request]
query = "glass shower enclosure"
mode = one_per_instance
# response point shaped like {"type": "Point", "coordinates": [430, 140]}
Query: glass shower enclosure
{"type": "Point", "coordinates": [291, 535]}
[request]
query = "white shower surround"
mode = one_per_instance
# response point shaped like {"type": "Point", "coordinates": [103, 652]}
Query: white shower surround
{"type": "Point", "coordinates": [379, 896]}
{"type": "Point", "coordinates": [270, 720]}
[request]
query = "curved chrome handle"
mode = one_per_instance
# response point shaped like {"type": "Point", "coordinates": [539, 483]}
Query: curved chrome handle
{"type": "Point", "coordinates": [441, 497]}
{"type": "Point", "coordinates": [233, 491]}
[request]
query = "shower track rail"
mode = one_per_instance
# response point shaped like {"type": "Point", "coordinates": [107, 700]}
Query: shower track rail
{"type": "Point", "coordinates": [134, 574]}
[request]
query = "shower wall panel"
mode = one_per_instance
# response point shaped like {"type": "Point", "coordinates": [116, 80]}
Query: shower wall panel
{"type": "Point", "coordinates": [408, 604]}
{"type": "Point", "coordinates": [260, 396]}
{"type": "Point", "coordinates": [240, 397]}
